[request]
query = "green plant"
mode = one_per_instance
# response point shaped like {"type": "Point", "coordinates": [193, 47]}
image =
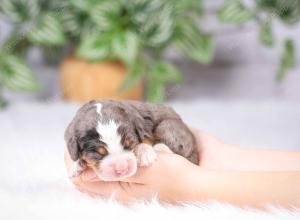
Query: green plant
{"type": "Point", "coordinates": [264, 12]}
{"type": "Point", "coordinates": [136, 32]}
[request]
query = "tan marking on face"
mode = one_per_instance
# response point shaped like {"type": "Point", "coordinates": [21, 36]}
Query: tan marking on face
{"type": "Point", "coordinates": [92, 163]}
{"type": "Point", "coordinates": [102, 150]}
{"type": "Point", "coordinates": [128, 143]}
{"type": "Point", "coordinates": [147, 141]}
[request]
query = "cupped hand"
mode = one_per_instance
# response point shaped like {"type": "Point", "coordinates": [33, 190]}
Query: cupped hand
{"type": "Point", "coordinates": [164, 179]}
{"type": "Point", "coordinates": [167, 177]}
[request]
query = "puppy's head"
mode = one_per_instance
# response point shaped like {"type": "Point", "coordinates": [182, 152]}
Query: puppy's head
{"type": "Point", "coordinates": [103, 136]}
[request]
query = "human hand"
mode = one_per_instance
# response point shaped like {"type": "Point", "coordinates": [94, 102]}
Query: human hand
{"type": "Point", "coordinates": [158, 179]}
{"type": "Point", "coordinates": [214, 154]}
{"type": "Point", "coordinates": [175, 179]}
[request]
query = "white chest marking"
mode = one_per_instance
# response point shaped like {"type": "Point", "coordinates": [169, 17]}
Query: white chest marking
{"type": "Point", "coordinates": [109, 135]}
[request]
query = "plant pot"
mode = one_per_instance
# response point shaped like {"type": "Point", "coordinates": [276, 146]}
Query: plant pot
{"type": "Point", "coordinates": [83, 81]}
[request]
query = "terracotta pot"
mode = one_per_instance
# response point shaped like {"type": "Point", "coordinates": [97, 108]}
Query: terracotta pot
{"type": "Point", "coordinates": [82, 81]}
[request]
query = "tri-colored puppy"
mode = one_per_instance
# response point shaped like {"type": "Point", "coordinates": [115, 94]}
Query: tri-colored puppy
{"type": "Point", "coordinates": [115, 137]}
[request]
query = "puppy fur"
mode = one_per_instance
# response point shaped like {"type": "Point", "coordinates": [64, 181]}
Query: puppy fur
{"type": "Point", "coordinates": [123, 126]}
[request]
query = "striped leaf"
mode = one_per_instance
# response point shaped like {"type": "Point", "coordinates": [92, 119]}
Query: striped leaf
{"type": "Point", "coordinates": [162, 27]}
{"type": "Point", "coordinates": [188, 6]}
{"type": "Point", "coordinates": [19, 11]}
{"type": "Point", "coordinates": [82, 5]}
{"type": "Point", "coordinates": [160, 74]}
{"type": "Point", "coordinates": [165, 72]}
{"type": "Point", "coordinates": [14, 74]}
{"type": "Point", "coordinates": [48, 31]}
{"type": "Point", "coordinates": [193, 43]}
{"type": "Point", "coordinates": [72, 22]}
{"type": "Point", "coordinates": [155, 23]}
{"type": "Point", "coordinates": [125, 46]}
{"type": "Point", "coordinates": [105, 14]}
{"type": "Point", "coordinates": [93, 47]}
{"type": "Point", "coordinates": [235, 12]}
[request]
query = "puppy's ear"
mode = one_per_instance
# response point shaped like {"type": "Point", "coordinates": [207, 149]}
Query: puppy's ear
{"type": "Point", "coordinates": [73, 148]}
{"type": "Point", "coordinates": [139, 128]}
{"type": "Point", "coordinates": [143, 128]}
{"type": "Point", "coordinates": [71, 141]}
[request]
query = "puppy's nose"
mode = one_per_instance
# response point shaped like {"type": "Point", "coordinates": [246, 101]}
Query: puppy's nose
{"type": "Point", "coordinates": [121, 167]}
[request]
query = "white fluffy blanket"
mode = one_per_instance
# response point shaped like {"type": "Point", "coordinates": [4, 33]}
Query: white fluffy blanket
{"type": "Point", "coordinates": [34, 185]}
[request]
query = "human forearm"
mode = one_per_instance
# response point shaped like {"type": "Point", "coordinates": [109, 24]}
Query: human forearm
{"type": "Point", "coordinates": [254, 189]}
{"type": "Point", "coordinates": [216, 155]}
{"type": "Point", "coordinates": [263, 160]}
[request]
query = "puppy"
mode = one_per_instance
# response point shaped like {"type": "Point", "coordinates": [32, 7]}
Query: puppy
{"type": "Point", "coordinates": [115, 137]}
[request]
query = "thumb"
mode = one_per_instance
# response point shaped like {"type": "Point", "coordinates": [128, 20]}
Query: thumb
{"type": "Point", "coordinates": [141, 176]}
{"type": "Point", "coordinates": [145, 175]}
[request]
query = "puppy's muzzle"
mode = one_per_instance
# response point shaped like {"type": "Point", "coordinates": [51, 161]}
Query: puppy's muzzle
{"type": "Point", "coordinates": [117, 167]}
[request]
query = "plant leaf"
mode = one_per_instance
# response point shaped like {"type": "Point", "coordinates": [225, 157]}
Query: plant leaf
{"type": "Point", "coordinates": [234, 11]}
{"type": "Point", "coordinates": [125, 46]}
{"type": "Point", "coordinates": [155, 91]}
{"type": "Point", "coordinates": [19, 11]}
{"type": "Point", "coordinates": [153, 20]}
{"type": "Point", "coordinates": [194, 43]}
{"type": "Point", "coordinates": [188, 6]}
{"type": "Point", "coordinates": [134, 75]}
{"type": "Point", "coordinates": [160, 74]}
{"type": "Point", "coordinates": [105, 14]}
{"type": "Point", "coordinates": [287, 60]}
{"type": "Point", "coordinates": [72, 22]}
{"type": "Point", "coordinates": [14, 74]}
{"type": "Point", "coordinates": [265, 34]}
{"type": "Point", "coordinates": [165, 72]}
{"type": "Point", "coordinates": [288, 11]}
{"type": "Point", "coordinates": [16, 43]}
{"type": "Point", "coordinates": [82, 5]}
{"type": "Point", "coordinates": [93, 47]}
{"type": "Point", "coordinates": [48, 31]}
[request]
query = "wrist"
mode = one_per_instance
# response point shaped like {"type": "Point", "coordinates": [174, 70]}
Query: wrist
{"type": "Point", "coordinates": [189, 187]}
{"type": "Point", "coordinates": [202, 185]}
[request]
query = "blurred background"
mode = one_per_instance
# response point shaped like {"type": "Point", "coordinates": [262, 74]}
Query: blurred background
{"type": "Point", "coordinates": [231, 67]}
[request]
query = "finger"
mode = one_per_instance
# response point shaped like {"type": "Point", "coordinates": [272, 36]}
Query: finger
{"type": "Point", "coordinates": [110, 190]}
{"type": "Point", "coordinates": [140, 176]}
{"type": "Point", "coordinates": [87, 175]}
{"type": "Point", "coordinates": [100, 188]}
{"type": "Point", "coordinates": [145, 175]}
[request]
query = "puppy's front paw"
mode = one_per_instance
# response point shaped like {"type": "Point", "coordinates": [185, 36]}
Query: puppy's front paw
{"type": "Point", "coordinates": [160, 147]}
{"type": "Point", "coordinates": [145, 155]}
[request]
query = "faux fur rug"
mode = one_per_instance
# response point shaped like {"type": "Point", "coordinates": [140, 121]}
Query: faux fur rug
{"type": "Point", "coordinates": [34, 184]}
